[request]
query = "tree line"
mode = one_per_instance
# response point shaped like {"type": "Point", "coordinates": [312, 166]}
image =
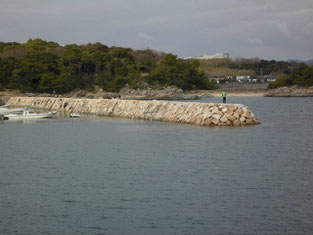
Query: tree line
{"type": "Point", "coordinates": [42, 66]}
{"type": "Point", "coordinates": [301, 76]}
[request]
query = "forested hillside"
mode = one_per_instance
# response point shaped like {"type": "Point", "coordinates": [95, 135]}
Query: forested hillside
{"type": "Point", "coordinates": [41, 66]}
{"type": "Point", "coordinates": [241, 66]}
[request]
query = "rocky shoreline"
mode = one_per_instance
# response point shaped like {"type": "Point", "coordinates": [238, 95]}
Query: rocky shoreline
{"type": "Point", "coordinates": [291, 91]}
{"type": "Point", "coordinates": [168, 93]}
{"type": "Point", "coordinates": [142, 93]}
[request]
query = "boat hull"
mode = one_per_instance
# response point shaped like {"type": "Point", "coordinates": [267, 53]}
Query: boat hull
{"type": "Point", "coordinates": [29, 116]}
{"type": "Point", "coordinates": [11, 111]}
{"type": "Point", "coordinates": [74, 116]}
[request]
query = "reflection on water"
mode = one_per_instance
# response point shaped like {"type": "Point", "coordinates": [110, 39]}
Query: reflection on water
{"type": "Point", "coordinates": [117, 176]}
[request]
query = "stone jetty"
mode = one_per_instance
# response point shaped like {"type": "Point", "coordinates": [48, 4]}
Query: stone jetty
{"type": "Point", "coordinates": [205, 114]}
{"type": "Point", "coordinates": [290, 91]}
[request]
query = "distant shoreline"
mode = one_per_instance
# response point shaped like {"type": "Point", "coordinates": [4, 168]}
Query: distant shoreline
{"type": "Point", "coordinates": [231, 93]}
{"type": "Point", "coordinates": [239, 93]}
{"type": "Point", "coordinates": [196, 94]}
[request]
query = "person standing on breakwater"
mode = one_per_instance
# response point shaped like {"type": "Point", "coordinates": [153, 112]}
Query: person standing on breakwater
{"type": "Point", "coordinates": [224, 96]}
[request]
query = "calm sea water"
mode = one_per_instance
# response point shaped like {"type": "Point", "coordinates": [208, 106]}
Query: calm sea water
{"type": "Point", "coordinates": [116, 176]}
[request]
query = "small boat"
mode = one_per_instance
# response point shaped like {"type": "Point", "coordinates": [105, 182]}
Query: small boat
{"type": "Point", "coordinates": [29, 114]}
{"type": "Point", "coordinates": [2, 117]}
{"type": "Point", "coordinates": [74, 115]}
{"type": "Point", "coordinates": [7, 110]}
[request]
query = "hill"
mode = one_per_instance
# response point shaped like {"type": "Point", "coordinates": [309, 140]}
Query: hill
{"type": "Point", "coordinates": [308, 62]}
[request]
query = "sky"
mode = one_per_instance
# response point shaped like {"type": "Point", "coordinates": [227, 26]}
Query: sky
{"type": "Point", "coordinates": [267, 29]}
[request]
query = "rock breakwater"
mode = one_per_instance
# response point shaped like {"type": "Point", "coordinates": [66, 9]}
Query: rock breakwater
{"type": "Point", "coordinates": [205, 114]}
{"type": "Point", "coordinates": [291, 91]}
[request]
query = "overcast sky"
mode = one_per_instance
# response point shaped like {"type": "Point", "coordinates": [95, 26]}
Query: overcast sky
{"type": "Point", "coordinates": [268, 29]}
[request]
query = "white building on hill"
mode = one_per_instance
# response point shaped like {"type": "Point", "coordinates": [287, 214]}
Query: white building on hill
{"type": "Point", "coordinates": [208, 57]}
{"type": "Point", "coordinates": [243, 78]}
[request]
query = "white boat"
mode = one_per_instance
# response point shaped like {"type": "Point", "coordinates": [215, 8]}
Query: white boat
{"type": "Point", "coordinates": [74, 115]}
{"type": "Point", "coordinates": [7, 110]}
{"type": "Point", "coordinates": [28, 114]}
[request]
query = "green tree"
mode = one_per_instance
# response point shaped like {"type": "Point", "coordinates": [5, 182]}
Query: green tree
{"type": "Point", "coordinates": [147, 59]}
{"type": "Point", "coordinates": [302, 76]}
{"type": "Point", "coordinates": [183, 74]}
{"type": "Point", "coordinates": [7, 65]}
{"type": "Point", "coordinates": [46, 83]}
